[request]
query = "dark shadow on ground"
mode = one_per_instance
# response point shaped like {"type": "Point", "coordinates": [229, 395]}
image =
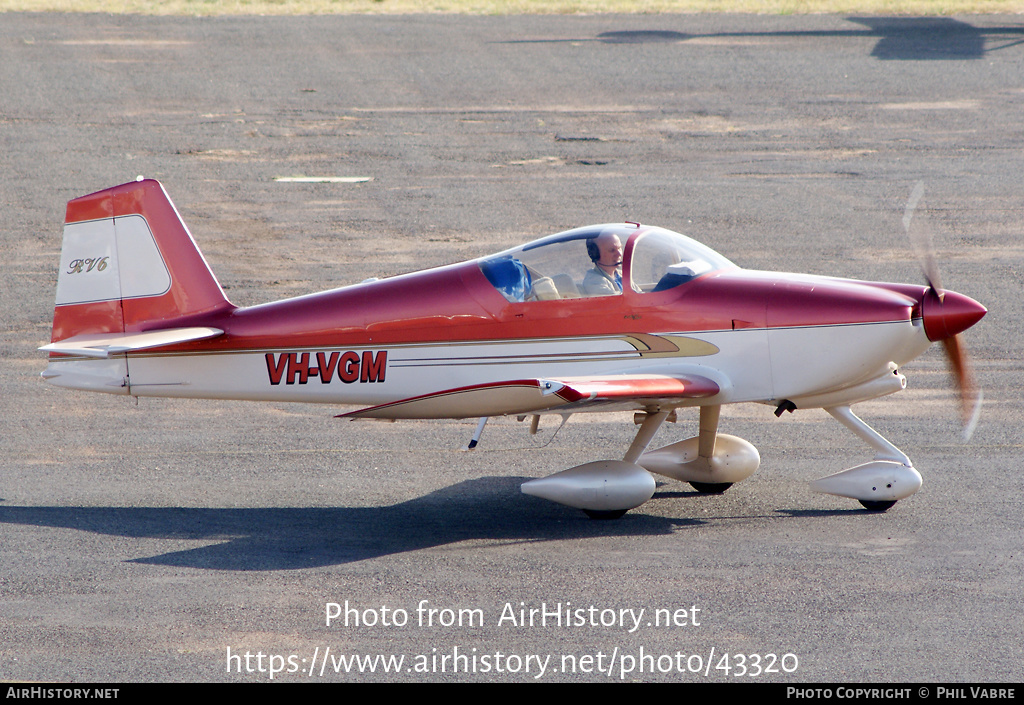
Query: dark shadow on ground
{"type": "Point", "coordinates": [642, 36]}
{"type": "Point", "coordinates": [899, 38]}
{"type": "Point", "coordinates": [259, 539]}
{"type": "Point", "coordinates": [924, 38]}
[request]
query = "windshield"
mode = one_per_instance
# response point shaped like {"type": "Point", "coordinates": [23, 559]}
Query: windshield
{"type": "Point", "coordinates": [587, 262]}
{"type": "Point", "coordinates": [662, 259]}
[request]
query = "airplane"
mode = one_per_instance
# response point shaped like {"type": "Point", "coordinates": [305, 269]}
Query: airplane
{"type": "Point", "coordinates": [524, 332]}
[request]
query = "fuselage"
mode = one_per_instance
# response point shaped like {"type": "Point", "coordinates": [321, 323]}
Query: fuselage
{"type": "Point", "coordinates": [760, 336]}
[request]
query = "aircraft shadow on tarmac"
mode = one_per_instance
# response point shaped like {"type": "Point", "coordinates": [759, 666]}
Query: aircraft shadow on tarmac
{"type": "Point", "coordinates": [899, 38]}
{"type": "Point", "coordinates": [490, 508]}
{"type": "Point", "coordinates": [933, 38]}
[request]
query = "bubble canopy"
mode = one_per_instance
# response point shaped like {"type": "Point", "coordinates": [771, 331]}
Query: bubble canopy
{"type": "Point", "coordinates": [565, 265]}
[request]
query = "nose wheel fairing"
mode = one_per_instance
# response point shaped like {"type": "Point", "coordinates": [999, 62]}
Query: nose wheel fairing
{"type": "Point", "coordinates": [873, 483]}
{"type": "Point", "coordinates": [879, 484]}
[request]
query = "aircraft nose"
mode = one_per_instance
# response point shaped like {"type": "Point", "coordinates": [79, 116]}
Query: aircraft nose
{"type": "Point", "coordinates": [947, 313]}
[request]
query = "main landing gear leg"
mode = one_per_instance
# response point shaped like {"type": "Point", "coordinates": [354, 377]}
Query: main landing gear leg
{"type": "Point", "coordinates": [708, 434]}
{"type": "Point", "coordinates": [651, 423]}
{"type": "Point", "coordinates": [877, 485]}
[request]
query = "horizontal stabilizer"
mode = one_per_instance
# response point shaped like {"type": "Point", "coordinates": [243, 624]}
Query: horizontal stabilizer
{"type": "Point", "coordinates": [107, 344]}
{"type": "Point", "coordinates": [525, 396]}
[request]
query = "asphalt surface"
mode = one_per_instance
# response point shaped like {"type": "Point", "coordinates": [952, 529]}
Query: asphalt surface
{"type": "Point", "coordinates": [165, 540]}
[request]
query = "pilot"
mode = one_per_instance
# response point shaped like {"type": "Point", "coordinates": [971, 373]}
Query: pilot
{"type": "Point", "coordinates": [605, 279]}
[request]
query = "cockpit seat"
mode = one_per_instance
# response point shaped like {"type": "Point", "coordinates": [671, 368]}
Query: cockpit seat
{"type": "Point", "coordinates": [566, 287]}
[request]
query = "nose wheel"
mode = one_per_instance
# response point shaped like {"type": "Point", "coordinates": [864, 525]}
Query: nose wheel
{"type": "Point", "coordinates": [876, 506]}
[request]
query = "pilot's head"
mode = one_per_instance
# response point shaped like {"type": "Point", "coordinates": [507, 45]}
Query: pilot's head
{"type": "Point", "coordinates": [605, 250]}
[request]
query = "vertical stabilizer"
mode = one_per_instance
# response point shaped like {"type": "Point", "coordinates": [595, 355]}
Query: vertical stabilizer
{"type": "Point", "coordinates": [129, 264]}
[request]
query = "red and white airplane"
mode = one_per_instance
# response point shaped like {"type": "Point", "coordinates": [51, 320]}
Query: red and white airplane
{"type": "Point", "coordinates": [601, 318]}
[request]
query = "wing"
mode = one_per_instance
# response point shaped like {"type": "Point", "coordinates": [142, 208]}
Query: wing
{"type": "Point", "coordinates": [532, 396]}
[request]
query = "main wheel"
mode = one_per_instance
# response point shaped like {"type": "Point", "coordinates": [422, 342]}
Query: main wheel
{"type": "Point", "coordinates": [875, 506]}
{"type": "Point", "coordinates": [604, 513]}
{"type": "Point", "coordinates": [711, 487]}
